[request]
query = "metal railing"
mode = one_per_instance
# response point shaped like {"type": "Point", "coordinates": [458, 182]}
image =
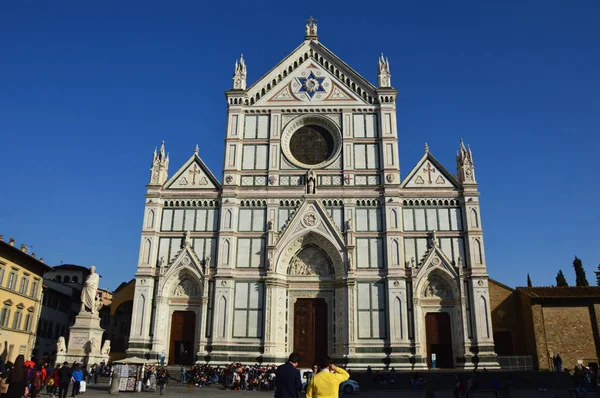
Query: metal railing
{"type": "Point", "coordinates": [516, 362]}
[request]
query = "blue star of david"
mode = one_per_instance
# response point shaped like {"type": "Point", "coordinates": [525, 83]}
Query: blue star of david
{"type": "Point", "coordinates": [311, 84]}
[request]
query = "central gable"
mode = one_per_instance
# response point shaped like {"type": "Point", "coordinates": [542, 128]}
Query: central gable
{"type": "Point", "coordinates": [311, 84]}
{"type": "Point", "coordinates": [194, 174]}
{"type": "Point", "coordinates": [331, 79]}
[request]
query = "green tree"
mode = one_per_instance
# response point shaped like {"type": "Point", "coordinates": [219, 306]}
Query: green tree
{"type": "Point", "coordinates": [580, 278]}
{"type": "Point", "coordinates": [560, 279]}
{"type": "Point", "coordinates": [529, 284]}
{"type": "Point", "coordinates": [597, 275]}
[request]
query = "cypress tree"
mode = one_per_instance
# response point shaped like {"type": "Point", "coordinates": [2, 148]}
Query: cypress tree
{"type": "Point", "coordinates": [560, 279]}
{"type": "Point", "coordinates": [529, 284]}
{"type": "Point", "coordinates": [580, 278]}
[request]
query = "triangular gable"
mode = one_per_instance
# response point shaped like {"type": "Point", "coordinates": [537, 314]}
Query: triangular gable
{"type": "Point", "coordinates": [346, 83]}
{"type": "Point", "coordinates": [194, 174]}
{"type": "Point", "coordinates": [435, 259]}
{"type": "Point", "coordinates": [186, 258]}
{"type": "Point", "coordinates": [429, 173]}
{"type": "Point", "coordinates": [311, 215]}
{"type": "Point", "coordinates": [323, 87]}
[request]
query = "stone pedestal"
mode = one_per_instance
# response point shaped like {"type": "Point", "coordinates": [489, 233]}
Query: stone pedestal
{"type": "Point", "coordinates": [85, 341]}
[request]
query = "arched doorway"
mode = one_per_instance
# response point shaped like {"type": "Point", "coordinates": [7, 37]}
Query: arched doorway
{"type": "Point", "coordinates": [183, 332]}
{"type": "Point", "coordinates": [310, 330]}
{"type": "Point", "coordinates": [438, 331]}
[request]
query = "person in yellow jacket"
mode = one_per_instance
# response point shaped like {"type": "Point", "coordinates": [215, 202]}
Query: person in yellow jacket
{"type": "Point", "coordinates": [326, 383]}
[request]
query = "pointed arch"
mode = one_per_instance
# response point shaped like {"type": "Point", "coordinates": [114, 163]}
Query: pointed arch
{"type": "Point", "coordinates": [483, 317]}
{"type": "Point", "coordinates": [141, 312]}
{"type": "Point", "coordinates": [398, 332]}
{"type": "Point", "coordinates": [477, 251]}
{"type": "Point", "coordinates": [394, 218]}
{"type": "Point", "coordinates": [150, 219]}
{"type": "Point", "coordinates": [395, 252]}
{"type": "Point", "coordinates": [225, 251]}
{"type": "Point", "coordinates": [228, 217]}
{"type": "Point", "coordinates": [474, 219]}
{"type": "Point", "coordinates": [221, 317]}
{"type": "Point", "coordinates": [146, 252]}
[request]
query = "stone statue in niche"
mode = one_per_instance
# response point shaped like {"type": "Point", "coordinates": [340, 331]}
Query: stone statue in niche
{"type": "Point", "coordinates": [311, 183]}
{"type": "Point", "coordinates": [437, 289]}
{"type": "Point", "coordinates": [186, 288]}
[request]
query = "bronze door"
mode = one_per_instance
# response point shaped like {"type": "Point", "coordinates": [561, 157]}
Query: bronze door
{"type": "Point", "coordinates": [439, 339]}
{"type": "Point", "coordinates": [181, 349]}
{"type": "Point", "coordinates": [310, 330]}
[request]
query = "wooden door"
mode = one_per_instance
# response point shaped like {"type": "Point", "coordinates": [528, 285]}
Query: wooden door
{"type": "Point", "coordinates": [183, 328]}
{"type": "Point", "coordinates": [439, 339]}
{"type": "Point", "coordinates": [310, 330]}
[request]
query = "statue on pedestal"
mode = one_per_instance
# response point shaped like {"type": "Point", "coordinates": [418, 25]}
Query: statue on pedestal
{"type": "Point", "coordinates": [88, 293]}
{"type": "Point", "coordinates": [61, 346]}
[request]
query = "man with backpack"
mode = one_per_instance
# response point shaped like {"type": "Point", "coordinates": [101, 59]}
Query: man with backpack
{"type": "Point", "coordinates": [37, 381]}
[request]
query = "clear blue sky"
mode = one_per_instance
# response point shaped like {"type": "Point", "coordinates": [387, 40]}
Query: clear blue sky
{"type": "Point", "coordinates": [89, 88]}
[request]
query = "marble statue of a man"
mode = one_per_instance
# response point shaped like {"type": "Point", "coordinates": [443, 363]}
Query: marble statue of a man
{"type": "Point", "coordinates": [88, 292]}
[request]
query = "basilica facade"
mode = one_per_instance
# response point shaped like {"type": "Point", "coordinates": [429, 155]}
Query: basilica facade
{"type": "Point", "coordinates": [311, 241]}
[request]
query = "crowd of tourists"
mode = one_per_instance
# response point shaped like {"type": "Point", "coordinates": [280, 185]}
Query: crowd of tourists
{"type": "Point", "coordinates": [29, 378]}
{"type": "Point", "coordinates": [236, 376]}
{"type": "Point", "coordinates": [155, 376]}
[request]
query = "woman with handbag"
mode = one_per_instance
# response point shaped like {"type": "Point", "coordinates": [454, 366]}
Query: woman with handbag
{"type": "Point", "coordinates": [17, 379]}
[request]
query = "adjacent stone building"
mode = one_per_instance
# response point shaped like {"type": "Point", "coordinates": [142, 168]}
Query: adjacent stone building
{"type": "Point", "coordinates": [312, 242]}
{"type": "Point", "coordinates": [20, 299]}
{"type": "Point", "coordinates": [544, 321]}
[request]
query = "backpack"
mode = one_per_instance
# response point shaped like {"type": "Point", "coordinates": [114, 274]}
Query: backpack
{"type": "Point", "coordinates": [37, 380]}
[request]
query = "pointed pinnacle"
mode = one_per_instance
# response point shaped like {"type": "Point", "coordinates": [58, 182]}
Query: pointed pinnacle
{"type": "Point", "coordinates": [426, 148]}
{"type": "Point", "coordinates": [196, 150]}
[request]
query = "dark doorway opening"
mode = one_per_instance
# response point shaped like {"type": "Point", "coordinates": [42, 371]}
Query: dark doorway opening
{"type": "Point", "coordinates": [183, 330]}
{"type": "Point", "coordinates": [439, 339]}
{"type": "Point", "coordinates": [310, 330]}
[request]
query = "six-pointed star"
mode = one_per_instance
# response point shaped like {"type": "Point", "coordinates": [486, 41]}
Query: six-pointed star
{"type": "Point", "coordinates": [311, 84]}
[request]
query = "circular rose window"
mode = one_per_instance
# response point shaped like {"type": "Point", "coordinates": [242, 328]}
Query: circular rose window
{"type": "Point", "coordinates": [311, 145]}
{"type": "Point", "coordinates": [311, 142]}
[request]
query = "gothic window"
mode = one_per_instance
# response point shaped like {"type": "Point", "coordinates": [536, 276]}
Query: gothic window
{"type": "Point", "coordinates": [409, 222]}
{"type": "Point", "coordinates": [256, 127]}
{"type": "Point", "coordinates": [368, 219]}
{"type": "Point", "coordinates": [250, 253]}
{"type": "Point", "coordinates": [221, 317]}
{"type": "Point", "coordinates": [227, 223]}
{"type": "Point", "coordinates": [366, 156]}
{"type": "Point", "coordinates": [210, 308]}
{"type": "Point", "coordinates": [369, 253]}
{"type": "Point", "coordinates": [150, 220]}
{"type": "Point", "coordinates": [474, 220]}
{"type": "Point", "coordinates": [395, 252]}
{"type": "Point", "coordinates": [483, 317]}
{"type": "Point", "coordinates": [254, 157]}
{"type": "Point", "coordinates": [140, 314]}
{"type": "Point", "coordinates": [478, 254]}
{"type": "Point", "coordinates": [248, 309]}
{"type": "Point", "coordinates": [252, 220]}
{"type": "Point", "coordinates": [393, 218]}
{"type": "Point", "coordinates": [226, 250]}
{"type": "Point", "coordinates": [206, 220]}
{"type": "Point", "coordinates": [146, 253]}
{"type": "Point", "coordinates": [371, 311]}
{"type": "Point", "coordinates": [440, 219]}
{"type": "Point", "coordinates": [205, 247]}
{"type": "Point", "coordinates": [397, 317]}
{"type": "Point", "coordinates": [365, 126]}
